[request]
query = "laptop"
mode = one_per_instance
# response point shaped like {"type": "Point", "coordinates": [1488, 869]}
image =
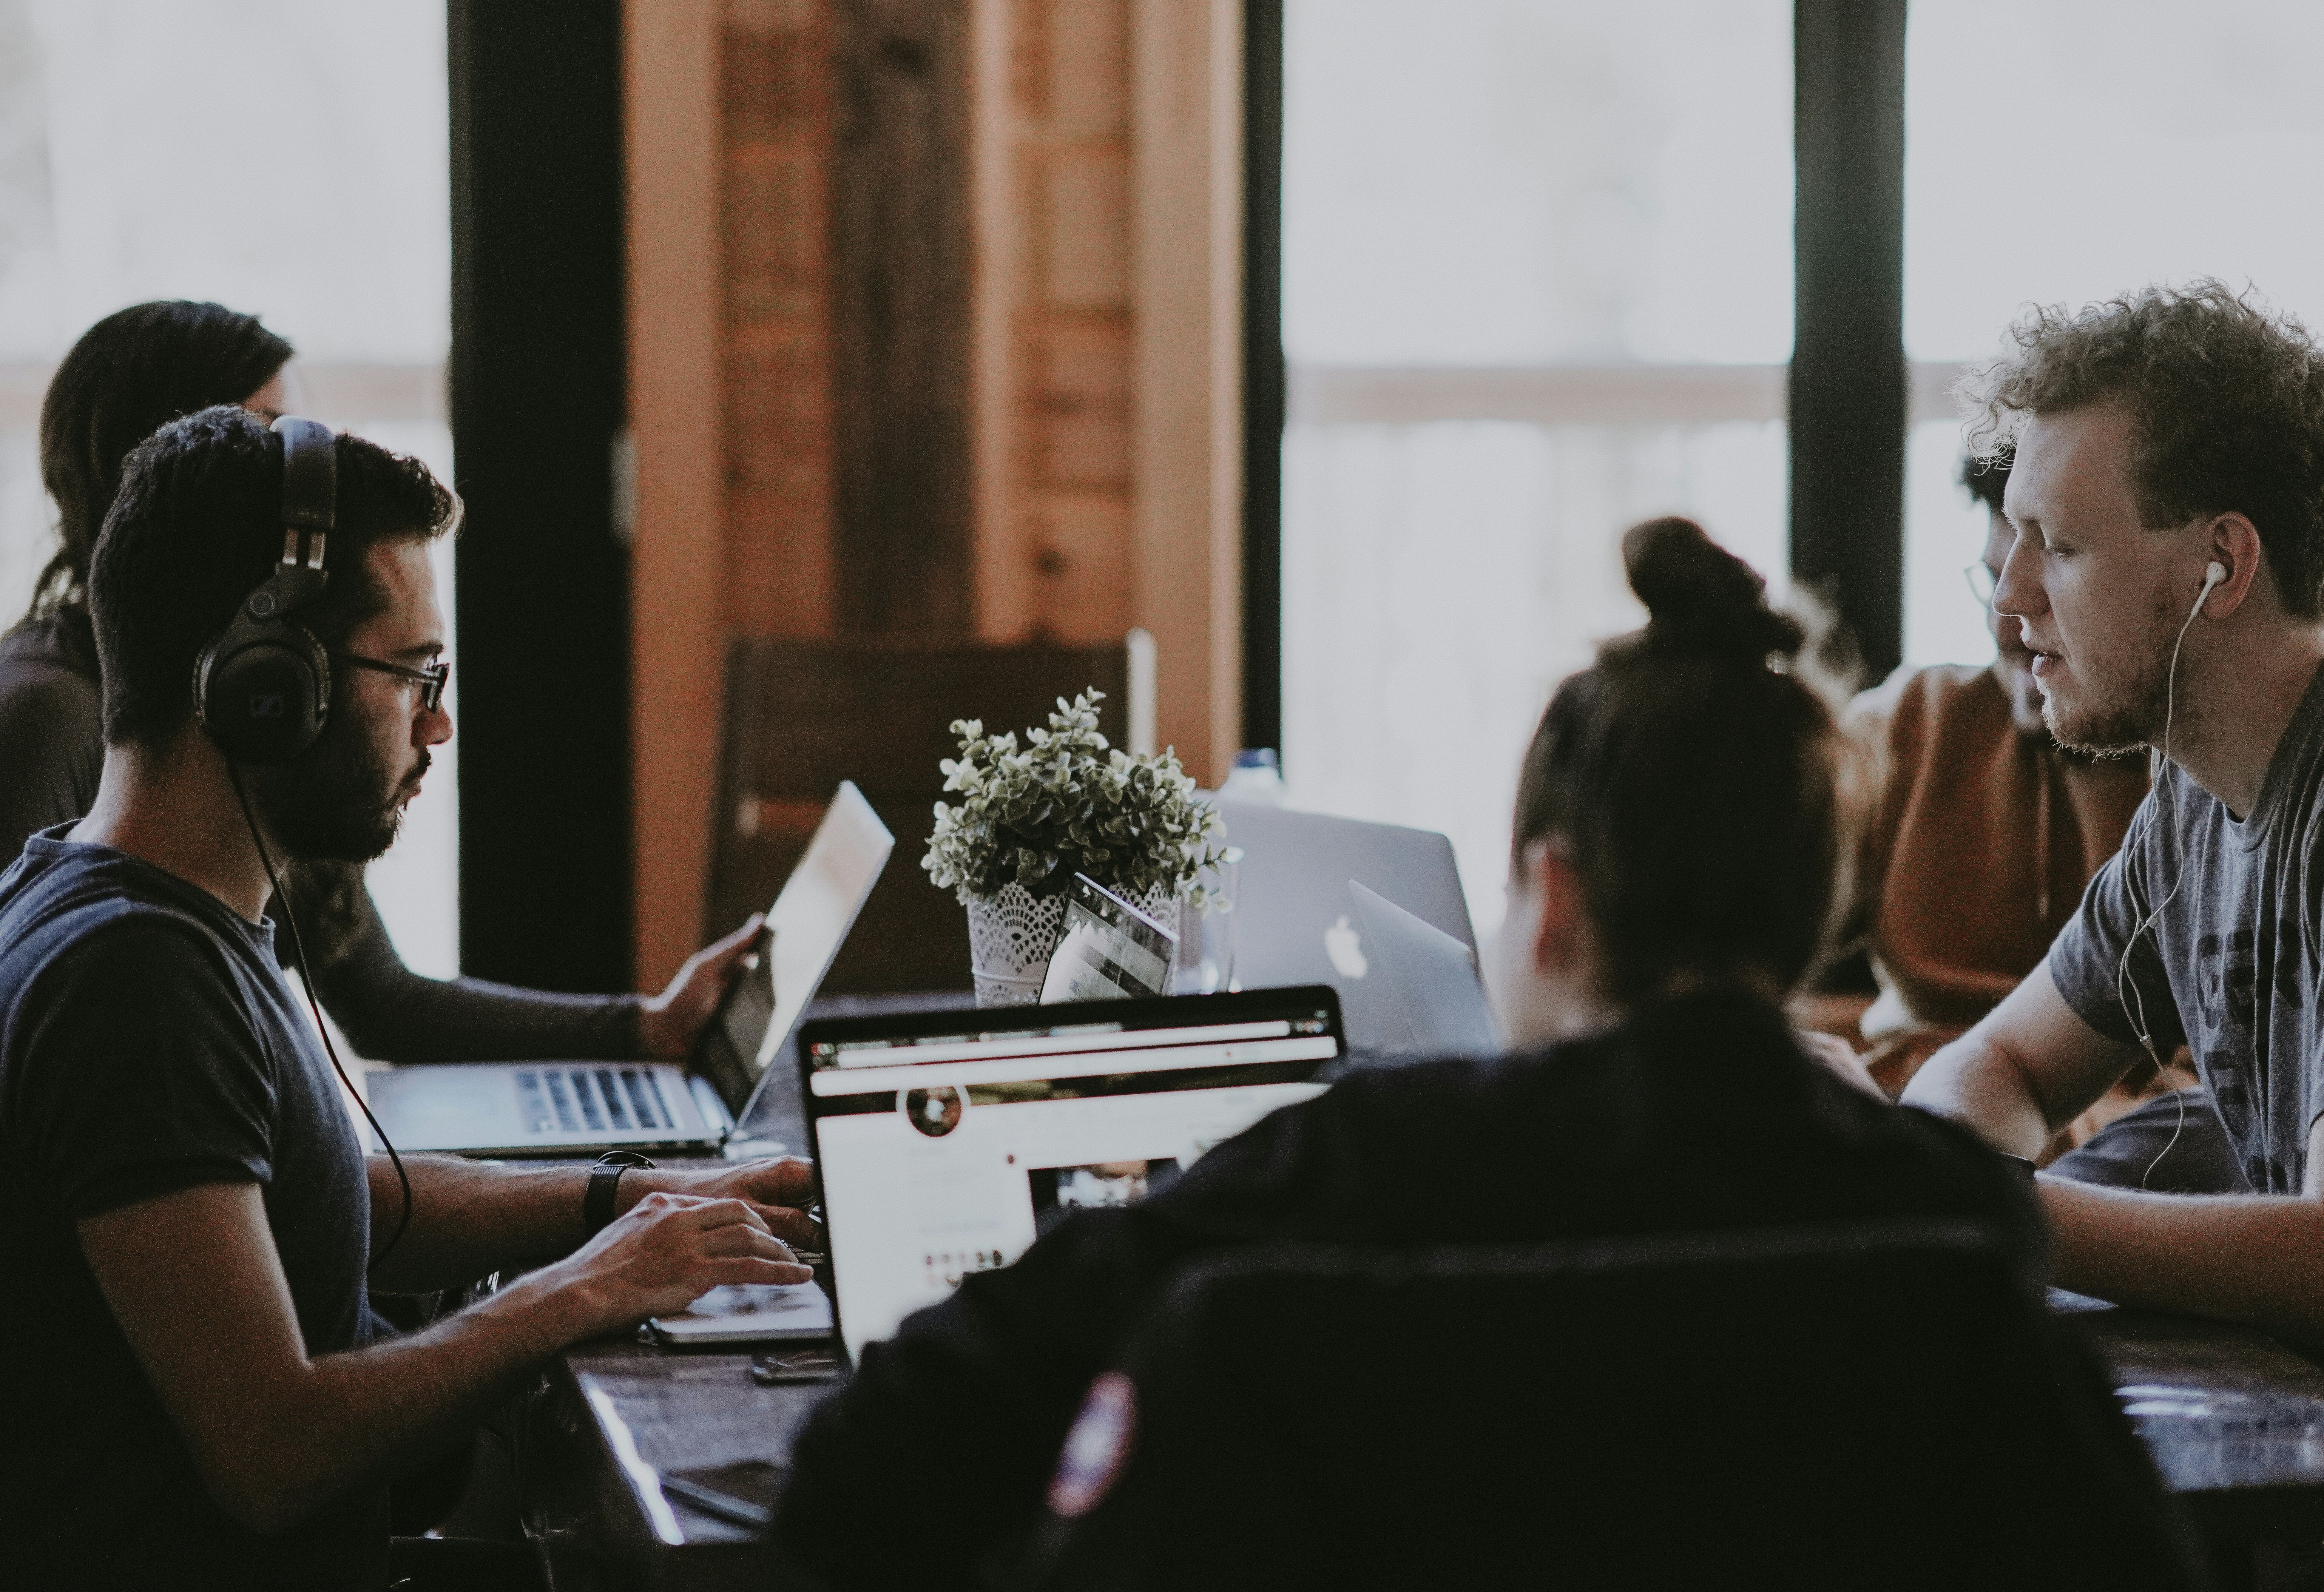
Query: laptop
{"type": "Point", "coordinates": [1295, 922]}
{"type": "Point", "coordinates": [1440, 1008]}
{"type": "Point", "coordinates": [947, 1142]}
{"type": "Point", "coordinates": [511, 1108]}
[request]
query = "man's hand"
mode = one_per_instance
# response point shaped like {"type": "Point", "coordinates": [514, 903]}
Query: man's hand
{"type": "Point", "coordinates": [776, 1191]}
{"type": "Point", "coordinates": [668, 1252]}
{"type": "Point", "coordinates": [668, 1022]}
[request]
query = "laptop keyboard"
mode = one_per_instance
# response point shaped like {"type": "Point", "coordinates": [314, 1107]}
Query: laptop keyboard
{"type": "Point", "coordinates": [592, 1099]}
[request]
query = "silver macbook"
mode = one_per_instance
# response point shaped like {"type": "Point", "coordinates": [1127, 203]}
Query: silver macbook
{"type": "Point", "coordinates": [580, 1107]}
{"type": "Point", "coordinates": [1295, 922]}
{"type": "Point", "coordinates": [1440, 1006]}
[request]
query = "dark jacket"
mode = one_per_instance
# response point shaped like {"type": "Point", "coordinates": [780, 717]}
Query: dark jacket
{"type": "Point", "coordinates": [1701, 1115]}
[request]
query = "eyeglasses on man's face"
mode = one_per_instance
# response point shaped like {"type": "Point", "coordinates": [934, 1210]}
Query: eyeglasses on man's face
{"type": "Point", "coordinates": [1981, 581]}
{"type": "Point", "coordinates": [430, 680]}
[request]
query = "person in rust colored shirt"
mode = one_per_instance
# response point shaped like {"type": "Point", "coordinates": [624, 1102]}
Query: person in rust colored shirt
{"type": "Point", "coordinates": [1984, 835]}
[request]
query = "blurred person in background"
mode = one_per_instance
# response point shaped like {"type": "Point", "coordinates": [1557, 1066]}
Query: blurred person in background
{"type": "Point", "coordinates": [1984, 835]}
{"type": "Point", "coordinates": [130, 374]}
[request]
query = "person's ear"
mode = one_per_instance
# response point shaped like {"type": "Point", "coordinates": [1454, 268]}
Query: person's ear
{"type": "Point", "coordinates": [1560, 927]}
{"type": "Point", "coordinates": [2235, 548]}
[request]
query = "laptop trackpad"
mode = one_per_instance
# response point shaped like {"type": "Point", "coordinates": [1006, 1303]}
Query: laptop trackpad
{"type": "Point", "coordinates": [444, 1105]}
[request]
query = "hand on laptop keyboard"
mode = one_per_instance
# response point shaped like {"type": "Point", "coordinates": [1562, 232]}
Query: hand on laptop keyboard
{"type": "Point", "coordinates": [778, 1191]}
{"type": "Point", "coordinates": [666, 1253]}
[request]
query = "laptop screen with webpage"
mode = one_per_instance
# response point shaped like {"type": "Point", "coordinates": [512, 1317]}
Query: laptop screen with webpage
{"type": "Point", "coordinates": [947, 1142]}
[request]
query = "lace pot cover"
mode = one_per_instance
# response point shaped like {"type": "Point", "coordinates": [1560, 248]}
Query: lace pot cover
{"type": "Point", "coordinates": [1010, 936]}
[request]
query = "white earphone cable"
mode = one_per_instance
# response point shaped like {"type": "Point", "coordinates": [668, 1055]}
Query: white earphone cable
{"type": "Point", "coordinates": [2125, 987]}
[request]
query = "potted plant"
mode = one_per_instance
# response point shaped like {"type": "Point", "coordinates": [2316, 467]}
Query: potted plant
{"type": "Point", "coordinates": [1030, 818]}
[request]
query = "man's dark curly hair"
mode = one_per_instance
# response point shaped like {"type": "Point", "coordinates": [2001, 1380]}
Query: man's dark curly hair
{"type": "Point", "coordinates": [2228, 401]}
{"type": "Point", "coordinates": [1985, 478]}
{"type": "Point", "coordinates": [197, 527]}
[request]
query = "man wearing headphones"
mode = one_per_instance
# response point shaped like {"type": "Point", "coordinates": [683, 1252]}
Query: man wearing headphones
{"type": "Point", "coordinates": [191, 1226]}
{"type": "Point", "coordinates": [2168, 572]}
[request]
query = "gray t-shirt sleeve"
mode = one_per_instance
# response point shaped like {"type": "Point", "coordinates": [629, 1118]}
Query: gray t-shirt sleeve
{"type": "Point", "coordinates": [2088, 955]}
{"type": "Point", "coordinates": [142, 1076]}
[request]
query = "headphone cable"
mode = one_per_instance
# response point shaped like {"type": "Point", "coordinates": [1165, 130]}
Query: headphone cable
{"type": "Point", "coordinates": [2126, 987]}
{"type": "Point", "coordinates": [307, 983]}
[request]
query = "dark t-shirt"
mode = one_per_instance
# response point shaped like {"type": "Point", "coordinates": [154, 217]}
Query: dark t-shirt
{"type": "Point", "coordinates": [1702, 1115]}
{"type": "Point", "coordinates": [148, 1043]}
{"type": "Point", "coordinates": [2230, 966]}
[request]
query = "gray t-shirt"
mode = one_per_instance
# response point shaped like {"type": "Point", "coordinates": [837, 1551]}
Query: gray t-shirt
{"type": "Point", "coordinates": [2230, 966]}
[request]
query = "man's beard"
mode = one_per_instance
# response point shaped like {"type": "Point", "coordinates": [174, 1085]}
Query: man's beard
{"type": "Point", "coordinates": [338, 801]}
{"type": "Point", "coordinates": [2133, 719]}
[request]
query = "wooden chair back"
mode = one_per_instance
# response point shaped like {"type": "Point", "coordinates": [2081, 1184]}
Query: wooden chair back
{"type": "Point", "coordinates": [803, 715]}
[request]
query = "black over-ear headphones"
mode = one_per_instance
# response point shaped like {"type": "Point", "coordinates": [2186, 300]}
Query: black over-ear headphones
{"type": "Point", "coordinates": [263, 688]}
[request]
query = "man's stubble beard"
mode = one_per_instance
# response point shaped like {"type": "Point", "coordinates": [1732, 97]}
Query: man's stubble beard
{"type": "Point", "coordinates": [2132, 721]}
{"type": "Point", "coordinates": [337, 802]}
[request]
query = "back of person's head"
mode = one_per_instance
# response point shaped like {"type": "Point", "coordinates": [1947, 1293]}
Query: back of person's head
{"type": "Point", "coordinates": [196, 526]}
{"type": "Point", "coordinates": [1985, 478]}
{"type": "Point", "coordinates": [129, 376]}
{"type": "Point", "coordinates": [1692, 778]}
{"type": "Point", "coordinates": [2227, 399]}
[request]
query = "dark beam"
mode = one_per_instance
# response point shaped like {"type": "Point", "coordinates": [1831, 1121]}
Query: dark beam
{"type": "Point", "coordinates": [901, 273]}
{"type": "Point", "coordinates": [1263, 380]}
{"type": "Point", "coordinates": [1851, 387]}
{"type": "Point", "coordinates": [537, 380]}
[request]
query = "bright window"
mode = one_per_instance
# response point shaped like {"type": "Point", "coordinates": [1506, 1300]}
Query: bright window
{"type": "Point", "coordinates": [2068, 151]}
{"type": "Point", "coordinates": [285, 157]}
{"type": "Point", "coordinates": [1537, 286]}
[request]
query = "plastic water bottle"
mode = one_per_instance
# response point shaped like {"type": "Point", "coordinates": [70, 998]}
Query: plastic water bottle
{"type": "Point", "coordinates": [1256, 777]}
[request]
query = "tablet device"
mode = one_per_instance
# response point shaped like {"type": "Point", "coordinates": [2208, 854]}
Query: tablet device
{"type": "Point", "coordinates": [1110, 950]}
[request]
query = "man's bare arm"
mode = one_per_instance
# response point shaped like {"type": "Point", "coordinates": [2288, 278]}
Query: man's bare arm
{"type": "Point", "coordinates": [2032, 1065]}
{"type": "Point", "coordinates": [2257, 1258]}
{"type": "Point", "coordinates": [196, 1283]}
{"type": "Point", "coordinates": [2028, 1068]}
{"type": "Point", "coordinates": [470, 1218]}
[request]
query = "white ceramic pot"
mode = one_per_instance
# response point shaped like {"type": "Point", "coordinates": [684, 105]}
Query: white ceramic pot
{"type": "Point", "coordinates": [1010, 937]}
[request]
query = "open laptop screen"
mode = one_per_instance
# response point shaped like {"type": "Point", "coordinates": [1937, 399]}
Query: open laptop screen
{"type": "Point", "coordinates": [805, 929]}
{"type": "Point", "coordinates": [948, 1141]}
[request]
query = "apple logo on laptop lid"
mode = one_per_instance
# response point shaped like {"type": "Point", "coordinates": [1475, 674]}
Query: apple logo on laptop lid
{"type": "Point", "coordinates": [1345, 947]}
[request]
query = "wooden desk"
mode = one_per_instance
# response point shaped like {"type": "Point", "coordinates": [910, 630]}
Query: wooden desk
{"type": "Point", "coordinates": [2234, 1419]}
{"type": "Point", "coordinates": [615, 1417]}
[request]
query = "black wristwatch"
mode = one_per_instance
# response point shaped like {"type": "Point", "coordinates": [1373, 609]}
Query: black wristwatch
{"type": "Point", "coordinates": [597, 1200]}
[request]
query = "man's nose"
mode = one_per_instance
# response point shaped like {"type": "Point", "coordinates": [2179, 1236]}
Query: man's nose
{"type": "Point", "coordinates": [433, 727]}
{"type": "Point", "coordinates": [2017, 593]}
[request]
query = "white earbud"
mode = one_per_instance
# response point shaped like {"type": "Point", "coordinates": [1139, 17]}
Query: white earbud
{"type": "Point", "coordinates": [2213, 573]}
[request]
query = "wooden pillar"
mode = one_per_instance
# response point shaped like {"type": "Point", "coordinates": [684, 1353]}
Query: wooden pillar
{"type": "Point", "coordinates": [677, 423]}
{"type": "Point", "coordinates": [1187, 382]}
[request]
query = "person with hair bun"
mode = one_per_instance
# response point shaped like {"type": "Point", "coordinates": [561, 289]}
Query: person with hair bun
{"type": "Point", "coordinates": [1675, 850]}
{"type": "Point", "coordinates": [130, 374]}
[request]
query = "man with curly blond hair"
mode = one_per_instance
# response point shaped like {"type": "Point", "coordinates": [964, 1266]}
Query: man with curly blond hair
{"type": "Point", "coordinates": [2167, 572]}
